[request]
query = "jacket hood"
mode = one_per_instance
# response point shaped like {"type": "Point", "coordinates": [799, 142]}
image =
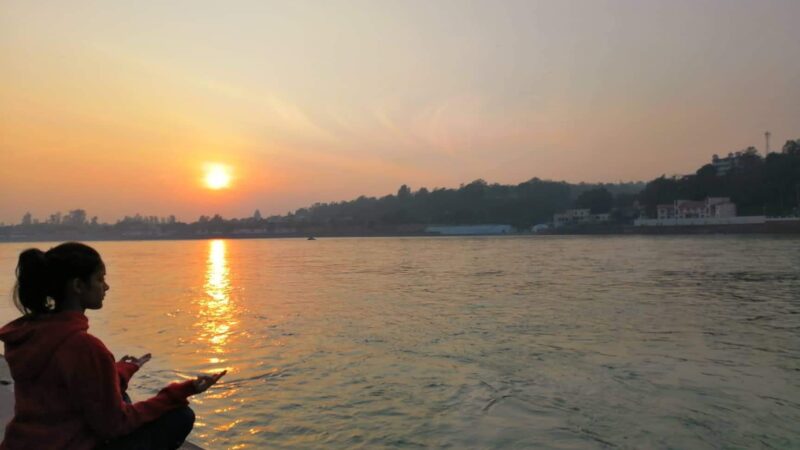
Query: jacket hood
{"type": "Point", "coordinates": [31, 341]}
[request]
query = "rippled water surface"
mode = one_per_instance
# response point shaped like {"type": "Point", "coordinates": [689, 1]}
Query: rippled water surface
{"type": "Point", "coordinates": [518, 342]}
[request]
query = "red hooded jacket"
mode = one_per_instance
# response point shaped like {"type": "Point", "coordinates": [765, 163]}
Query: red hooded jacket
{"type": "Point", "coordinates": [68, 387]}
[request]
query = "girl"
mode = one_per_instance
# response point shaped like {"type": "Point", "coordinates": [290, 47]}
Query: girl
{"type": "Point", "coordinates": [69, 391]}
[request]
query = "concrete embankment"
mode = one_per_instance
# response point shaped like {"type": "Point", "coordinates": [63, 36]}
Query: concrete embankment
{"type": "Point", "coordinates": [772, 227]}
{"type": "Point", "coordinates": [7, 402]}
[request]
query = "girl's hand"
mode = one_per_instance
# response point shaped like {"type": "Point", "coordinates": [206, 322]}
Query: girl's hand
{"type": "Point", "coordinates": [140, 361]}
{"type": "Point", "coordinates": [203, 382]}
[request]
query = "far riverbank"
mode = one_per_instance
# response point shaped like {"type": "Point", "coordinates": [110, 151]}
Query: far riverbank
{"type": "Point", "coordinates": [769, 228]}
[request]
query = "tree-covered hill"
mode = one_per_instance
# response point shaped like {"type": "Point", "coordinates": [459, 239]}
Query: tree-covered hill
{"type": "Point", "coordinates": [478, 202]}
{"type": "Point", "coordinates": [758, 185]}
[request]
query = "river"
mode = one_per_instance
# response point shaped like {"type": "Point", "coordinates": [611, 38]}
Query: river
{"type": "Point", "coordinates": [464, 342]}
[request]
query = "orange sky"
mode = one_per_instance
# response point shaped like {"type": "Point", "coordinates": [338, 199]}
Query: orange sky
{"type": "Point", "coordinates": [116, 107]}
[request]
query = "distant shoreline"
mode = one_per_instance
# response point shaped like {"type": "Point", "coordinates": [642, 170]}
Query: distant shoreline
{"type": "Point", "coordinates": [774, 228]}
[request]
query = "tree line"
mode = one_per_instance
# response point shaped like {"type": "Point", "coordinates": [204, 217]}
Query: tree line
{"type": "Point", "coordinates": [521, 205]}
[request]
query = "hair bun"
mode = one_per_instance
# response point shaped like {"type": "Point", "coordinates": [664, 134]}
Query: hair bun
{"type": "Point", "coordinates": [32, 257]}
{"type": "Point", "coordinates": [32, 280]}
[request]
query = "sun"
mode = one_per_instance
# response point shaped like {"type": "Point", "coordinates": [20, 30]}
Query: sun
{"type": "Point", "coordinates": [218, 176]}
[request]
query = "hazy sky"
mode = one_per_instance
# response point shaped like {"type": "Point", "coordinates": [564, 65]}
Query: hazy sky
{"type": "Point", "coordinates": [116, 106]}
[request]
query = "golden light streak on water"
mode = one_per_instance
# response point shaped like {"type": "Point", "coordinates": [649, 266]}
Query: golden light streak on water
{"type": "Point", "coordinates": [217, 312]}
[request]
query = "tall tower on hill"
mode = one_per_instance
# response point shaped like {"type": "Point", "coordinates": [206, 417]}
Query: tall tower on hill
{"type": "Point", "coordinates": [767, 134]}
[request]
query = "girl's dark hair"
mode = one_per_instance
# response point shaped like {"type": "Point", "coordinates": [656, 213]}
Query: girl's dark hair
{"type": "Point", "coordinates": [43, 276]}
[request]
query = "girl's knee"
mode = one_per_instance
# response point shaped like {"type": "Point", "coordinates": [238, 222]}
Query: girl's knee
{"type": "Point", "coordinates": [182, 423]}
{"type": "Point", "coordinates": [180, 420]}
{"type": "Point", "coordinates": [185, 416]}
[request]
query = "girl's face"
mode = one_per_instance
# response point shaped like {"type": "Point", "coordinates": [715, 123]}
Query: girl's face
{"type": "Point", "coordinates": [95, 292]}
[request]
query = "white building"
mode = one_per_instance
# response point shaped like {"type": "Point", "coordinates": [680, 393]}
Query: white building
{"type": "Point", "coordinates": [539, 228]}
{"type": "Point", "coordinates": [711, 207]}
{"type": "Point", "coordinates": [724, 165]}
{"type": "Point", "coordinates": [711, 211]}
{"type": "Point", "coordinates": [570, 217]}
{"type": "Point", "coordinates": [577, 217]}
{"type": "Point", "coordinates": [728, 163]}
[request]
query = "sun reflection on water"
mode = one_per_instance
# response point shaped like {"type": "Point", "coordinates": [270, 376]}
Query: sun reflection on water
{"type": "Point", "coordinates": [217, 311]}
